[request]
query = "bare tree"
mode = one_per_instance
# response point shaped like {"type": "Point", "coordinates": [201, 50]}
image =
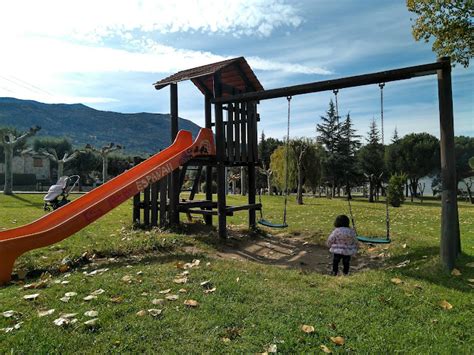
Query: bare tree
{"type": "Point", "coordinates": [9, 141]}
{"type": "Point", "coordinates": [53, 155]}
{"type": "Point", "coordinates": [104, 153]}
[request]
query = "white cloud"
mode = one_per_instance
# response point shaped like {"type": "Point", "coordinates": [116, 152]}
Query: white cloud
{"type": "Point", "coordinates": [93, 20]}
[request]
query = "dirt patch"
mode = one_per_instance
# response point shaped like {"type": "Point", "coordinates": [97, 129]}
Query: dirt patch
{"type": "Point", "coordinates": [291, 252]}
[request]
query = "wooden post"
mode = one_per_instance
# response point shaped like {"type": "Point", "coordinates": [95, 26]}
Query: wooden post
{"type": "Point", "coordinates": [251, 135]}
{"type": "Point", "coordinates": [136, 209]}
{"type": "Point", "coordinates": [220, 156]}
{"type": "Point", "coordinates": [163, 201]}
{"type": "Point", "coordinates": [146, 206]}
{"type": "Point", "coordinates": [450, 238]}
{"type": "Point", "coordinates": [208, 122]}
{"type": "Point", "coordinates": [174, 186]}
{"type": "Point", "coordinates": [154, 204]}
{"type": "Point", "coordinates": [237, 131]}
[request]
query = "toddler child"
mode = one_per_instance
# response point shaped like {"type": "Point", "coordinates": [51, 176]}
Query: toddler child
{"type": "Point", "coordinates": [342, 243]}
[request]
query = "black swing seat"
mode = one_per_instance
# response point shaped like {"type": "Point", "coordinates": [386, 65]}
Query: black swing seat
{"type": "Point", "coordinates": [374, 240]}
{"type": "Point", "coordinates": [269, 224]}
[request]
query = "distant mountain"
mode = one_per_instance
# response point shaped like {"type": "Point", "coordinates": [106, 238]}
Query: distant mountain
{"type": "Point", "coordinates": [138, 132]}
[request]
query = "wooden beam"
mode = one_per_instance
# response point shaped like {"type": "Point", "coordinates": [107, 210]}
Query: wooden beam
{"type": "Point", "coordinates": [237, 131]}
{"type": "Point", "coordinates": [174, 185]}
{"type": "Point", "coordinates": [450, 246]}
{"type": "Point", "coordinates": [154, 204]}
{"type": "Point", "coordinates": [230, 134]}
{"type": "Point", "coordinates": [347, 82]}
{"type": "Point", "coordinates": [254, 206]}
{"type": "Point", "coordinates": [208, 122]}
{"type": "Point", "coordinates": [251, 193]}
{"type": "Point", "coordinates": [220, 155]}
{"type": "Point", "coordinates": [136, 208]}
{"type": "Point", "coordinates": [163, 183]}
{"type": "Point", "coordinates": [146, 206]}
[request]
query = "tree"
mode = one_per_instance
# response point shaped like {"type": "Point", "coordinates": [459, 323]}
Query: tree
{"type": "Point", "coordinates": [60, 151]}
{"type": "Point", "coordinates": [371, 159]}
{"type": "Point", "coordinates": [312, 167]}
{"type": "Point", "coordinates": [449, 22]}
{"type": "Point", "coordinates": [328, 136]}
{"type": "Point", "coordinates": [471, 163]}
{"type": "Point", "coordinates": [347, 146]}
{"type": "Point", "coordinates": [300, 148]}
{"type": "Point", "coordinates": [395, 194]}
{"type": "Point", "coordinates": [278, 166]}
{"type": "Point", "coordinates": [104, 153]}
{"type": "Point", "coordinates": [419, 157]}
{"type": "Point", "coordinates": [266, 147]}
{"type": "Point", "coordinates": [10, 141]}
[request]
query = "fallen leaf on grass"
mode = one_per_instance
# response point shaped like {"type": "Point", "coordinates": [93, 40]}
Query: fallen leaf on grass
{"type": "Point", "coordinates": [396, 281]}
{"type": "Point", "coordinates": [191, 303]}
{"type": "Point", "coordinates": [8, 314]}
{"type": "Point", "coordinates": [211, 290]}
{"type": "Point", "coordinates": [456, 272]}
{"type": "Point", "coordinates": [168, 290]}
{"type": "Point", "coordinates": [63, 268]}
{"type": "Point", "coordinates": [91, 314]}
{"type": "Point", "coordinates": [225, 340]}
{"type": "Point", "coordinates": [154, 312]}
{"type": "Point", "coordinates": [91, 322]}
{"type": "Point", "coordinates": [307, 328]}
{"type": "Point", "coordinates": [172, 297]}
{"type": "Point", "coordinates": [180, 265]}
{"type": "Point", "coordinates": [446, 305]}
{"type": "Point", "coordinates": [46, 313]}
{"type": "Point", "coordinates": [31, 297]}
{"type": "Point", "coordinates": [338, 340]}
{"type": "Point", "coordinates": [11, 329]}
{"type": "Point", "coordinates": [158, 301]}
{"type": "Point", "coordinates": [37, 285]}
{"type": "Point", "coordinates": [116, 299]}
{"type": "Point", "coordinates": [182, 290]}
{"type": "Point", "coordinates": [470, 280]}
{"type": "Point", "coordinates": [98, 292]}
{"type": "Point", "coordinates": [70, 294]}
{"type": "Point", "coordinates": [90, 298]}
{"type": "Point", "coordinates": [404, 246]}
{"type": "Point", "coordinates": [325, 349]}
{"type": "Point", "coordinates": [65, 299]}
{"type": "Point", "coordinates": [272, 348]}
{"type": "Point", "coordinates": [402, 264]}
{"type": "Point", "coordinates": [181, 280]}
{"type": "Point", "coordinates": [141, 313]}
{"type": "Point", "coordinates": [127, 279]}
{"type": "Point", "coordinates": [470, 264]}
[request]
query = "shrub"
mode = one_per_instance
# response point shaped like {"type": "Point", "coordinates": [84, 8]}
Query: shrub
{"type": "Point", "coordinates": [395, 188]}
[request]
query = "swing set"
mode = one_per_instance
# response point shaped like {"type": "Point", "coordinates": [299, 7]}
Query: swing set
{"type": "Point", "coordinates": [232, 93]}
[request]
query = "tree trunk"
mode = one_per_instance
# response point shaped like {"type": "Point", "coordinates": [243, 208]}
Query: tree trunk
{"type": "Point", "coordinates": [413, 188]}
{"type": "Point", "coordinates": [269, 183]}
{"type": "Point", "coordinates": [243, 179]}
{"type": "Point", "coordinates": [60, 168]}
{"type": "Point", "coordinates": [469, 192]}
{"type": "Point", "coordinates": [8, 189]}
{"type": "Point", "coordinates": [371, 190]}
{"type": "Point", "coordinates": [105, 165]}
{"type": "Point", "coordinates": [348, 192]}
{"type": "Point", "coordinates": [299, 194]}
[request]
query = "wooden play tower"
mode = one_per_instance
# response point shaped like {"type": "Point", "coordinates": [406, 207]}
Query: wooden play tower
{"type": "Point", "coordinates": [235, 128]}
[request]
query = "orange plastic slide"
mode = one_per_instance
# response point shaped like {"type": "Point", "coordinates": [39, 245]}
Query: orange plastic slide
{"type": "Point", "coordinates": [72, 217]}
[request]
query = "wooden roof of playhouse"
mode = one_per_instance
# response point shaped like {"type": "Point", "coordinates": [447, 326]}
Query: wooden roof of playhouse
{"type": "Point", "coordinates": [236, 77]}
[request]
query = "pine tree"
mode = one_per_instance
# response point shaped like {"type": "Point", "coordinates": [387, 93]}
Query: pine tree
{"type": "Point", "coordinates": [329, 136]}
{"type": "Point", "coordinates": [347, 146]}
{"type": "Point", "coordinates": [371, 159]}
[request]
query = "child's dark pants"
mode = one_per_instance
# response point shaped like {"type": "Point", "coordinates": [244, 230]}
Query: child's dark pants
{"type": "Point", "coordinates": [346, 259]}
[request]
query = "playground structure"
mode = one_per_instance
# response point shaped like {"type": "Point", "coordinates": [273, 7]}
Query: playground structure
{"type": "Point", "coordinates": [231, 86]}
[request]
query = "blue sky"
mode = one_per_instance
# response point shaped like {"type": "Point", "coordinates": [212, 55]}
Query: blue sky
{"type": "Point", "coordinates": [106, 54]}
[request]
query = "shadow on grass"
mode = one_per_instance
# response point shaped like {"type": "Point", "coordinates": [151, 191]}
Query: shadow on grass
{"type": "Point", "coordinates": [27, 202]}
{"type": "Point", "coordinates": [424, 264]}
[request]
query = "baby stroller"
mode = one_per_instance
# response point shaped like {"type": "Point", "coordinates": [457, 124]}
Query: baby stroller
{"type": "Point", "coordinates": [57, 194]}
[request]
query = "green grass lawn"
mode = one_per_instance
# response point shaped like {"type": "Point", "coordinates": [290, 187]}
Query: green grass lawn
{"type": "Point", "coordinates": [255, 307]}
